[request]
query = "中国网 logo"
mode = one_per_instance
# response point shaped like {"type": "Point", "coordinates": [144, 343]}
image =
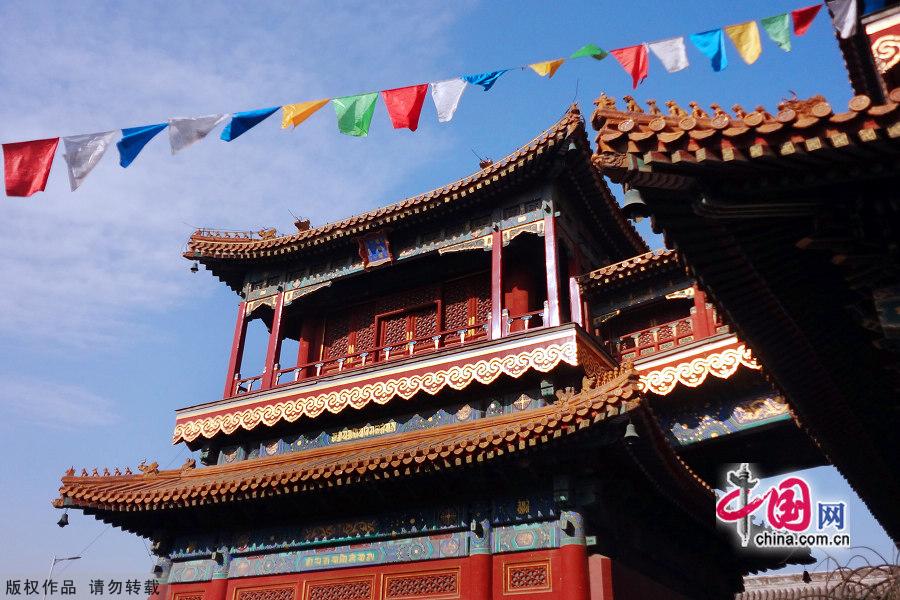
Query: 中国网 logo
{"type": "Point", "coordinates": [786, 511]}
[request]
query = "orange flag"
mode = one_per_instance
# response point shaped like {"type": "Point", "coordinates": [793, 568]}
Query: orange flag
{"type": "Point", "coordinates": [547, 68]}
{"type": "Point", "coordinates": [294, 114]}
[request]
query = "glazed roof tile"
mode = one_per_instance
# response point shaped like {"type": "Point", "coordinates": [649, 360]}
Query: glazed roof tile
{"type": "Point", "coordinates": [225, 245]}
{"type": "Point", "coordinates": [682, 140]}
{"type": "Point", "coordinates": [388, 456]}
{"type": "Point", "coordinates": [630, 268]}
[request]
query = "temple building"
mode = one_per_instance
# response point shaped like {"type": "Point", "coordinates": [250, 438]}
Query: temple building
{"type": "Point", "coordinates": [470, 412]}
{"type": "Point", "coordinates": [496, 389]}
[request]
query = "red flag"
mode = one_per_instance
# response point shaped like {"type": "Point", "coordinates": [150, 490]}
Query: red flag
{"type": "Point", "coordinates": [803, 18]}
{"type": "Point", "coordinates": [404, 105]}
{"type": "Point", "coordinates": [27, 165]}
{"type": "Point", "coordinates": [634, 60]}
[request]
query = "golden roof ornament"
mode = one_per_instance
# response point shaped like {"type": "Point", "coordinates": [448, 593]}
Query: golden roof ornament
{"type": "Point", "coordinates": [697, 111]}
{"type": "Point", "coordinates": [654, 109]}
{"type": "Point", "coordinates": [632, 104]}
{"type": "Point", "coordinates": [675, 110]}
{"type": "Point", "coordinates": [605, 102]}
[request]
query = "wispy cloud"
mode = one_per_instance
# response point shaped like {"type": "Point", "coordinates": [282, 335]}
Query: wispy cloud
{"type": "Point", "coordinates": [84, 264]}
{"type": "Point", "coordinates": [54, 406]}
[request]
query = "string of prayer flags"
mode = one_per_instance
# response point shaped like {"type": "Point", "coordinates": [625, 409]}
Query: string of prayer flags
{"type": "Point", "coordinates": [745, 37]}
{"type": "Point", "coordinates": [843, 14]}
{"type": "Point", "coordinates": [591, 50]}
{"type": "Point", "coordinates": [27, 165]}
{"type": "Point", "coordinates": [547, 68]}
{"type": "Point", "coordinates": [778, 28]}
{"type": "Point", "coordinates": [712, 44]}
{"type": "Point", "coordinates": [803, 18]}
{"type": "Point", "coordinates": [241, 122]}
{"type": "Point", "coordinates": [404, 105]}
{"type": "Point", "coordinates": [446, 95]}
{"type": "Point", "coordinates": [83, 152]}
{"type": "Point", "coordinates": [354, 113]}
{"type": "Point", "coordinates": [294, 114]}
{"type": "Point", "coordinates": [187, 131]}
{"type": "Point", "coordinates": [671, 53]}
{"type": "Point", "coordinates": [133, 141]}
{"type": "Point", "coordinates": [485, 80]}
{"type": "Point", "coordinates": [634, 59]}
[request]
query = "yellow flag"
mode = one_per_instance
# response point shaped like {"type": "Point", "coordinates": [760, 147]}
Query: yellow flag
{"type": "Point", "coordinates": [746, 39]}
{"type": "Point", "coordinates": [548, 67]}
{"type": "Point", "coordinates": [294, 114]}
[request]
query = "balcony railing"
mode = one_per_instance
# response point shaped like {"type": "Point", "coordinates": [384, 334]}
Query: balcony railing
{"type": "Point", "coordinates": [358, 360]}
{"type": "Point", "coordinates": [391, 352]}
{"type": "Point", "coordinates": [651, 340]}
{"type": "Point", "coordinates": [659, 338]}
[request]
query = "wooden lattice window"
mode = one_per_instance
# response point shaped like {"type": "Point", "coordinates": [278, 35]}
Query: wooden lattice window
{"type": "Point", "coordinates": [527, 577]}
{"type": "Point", "coordinates": [434, 585]}
{"type": "Point", "coordinates": [280, 593]}
{"type": "Point", "coordinates": [359, 589]}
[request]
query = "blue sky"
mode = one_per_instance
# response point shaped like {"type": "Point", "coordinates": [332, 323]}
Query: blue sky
{"type": "Point", "coordinates": [103, 329]}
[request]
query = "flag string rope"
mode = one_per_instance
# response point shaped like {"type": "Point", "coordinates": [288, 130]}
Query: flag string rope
{"type": "Point", "coordinates": [27, 164]}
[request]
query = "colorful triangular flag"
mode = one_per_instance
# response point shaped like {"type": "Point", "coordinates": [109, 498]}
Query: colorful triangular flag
{"type": "Point", "coordinates": [294, 114]}
{"type": "Point", "coordinates": [83, 152]}
{"type": "Point", "coordinates": [134, 139]}
{"type": "Point", "coordinates": [404, 105]}
{"type": "Point", "coordinates": [547, 68]}
{"type": "Point", "coordinates": [354, 113]}
{"type": "Point", "coordinates": [184, 132]}
{"type": "Point", "coordinates": [485, 80]}
{"type": "Point", "coordinates": [843, 15]}
{"type": "Point", "coordinates": [671, 53]}
{"type": "Point", "coordinates": [803, 18]}
{"type": "Point", "coordinates": [27, 165]}
{"type": "Point", "coordinates": [241, 122]}
{"type": "Point", "coordinates": [590, 50]}
{"type": "Point", "coordinates": [446, 95]}
{"type": "Point", "coordinates": [778, 28]}
{"type": "Point", "coordinates": [635, 61]}
{"type": "Point", "coordinates": [712, 44]}
{"type": "Point", "coordinates": [745, 37]}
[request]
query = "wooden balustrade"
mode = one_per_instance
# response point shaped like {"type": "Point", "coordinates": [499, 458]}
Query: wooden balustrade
{"type": "Point", "coordinates": [381, 354]}
{"type": "Point", "coordinates": [651, 340]}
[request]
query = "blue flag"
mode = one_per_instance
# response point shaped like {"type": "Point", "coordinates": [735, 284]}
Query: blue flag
{"type": "Point", "coordinates": [133, 141]}
{"type": "Point", "coordinates": [485, 80]}
{"type": "Point", "coordinates": [242, 121]}
{"type": "Point", "coordinates": [712, 44]}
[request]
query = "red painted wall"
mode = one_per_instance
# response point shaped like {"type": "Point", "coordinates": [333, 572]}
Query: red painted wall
{"type": "Point", "coordinates": [520, 575]}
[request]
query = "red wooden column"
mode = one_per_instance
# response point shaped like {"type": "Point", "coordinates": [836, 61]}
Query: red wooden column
{"type": "Point", "coordinates": [216, 590]}
{"type": "Point", "coordinates": [481, 562]}
{"type": "Point", "coordinates": [237, 350]}
{"type": "Point", "coordinates": [573, 555]}
{"type": "Point", "coordinates": [274, 348]}
{"type": "Point", "coordinates": [305, 345]}
{"type": "Point", "coordinates": [701, 319]}
{"type": "Point", "coordinates": [576, 302]}
{"type": "Point", "coordinates": [496, 284]}
{"type": "Point", "coordinates": [552, 264]}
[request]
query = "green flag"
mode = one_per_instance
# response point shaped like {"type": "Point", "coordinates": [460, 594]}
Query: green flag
{"type": "Point", "coordinates": [590, 50]}
{"type": "Point", "coordinates": [354, 113]}
{"type": "Point", "coordinates": [779, 30]}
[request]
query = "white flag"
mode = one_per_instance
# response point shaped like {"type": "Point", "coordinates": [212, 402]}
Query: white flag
{"type": "Point", "coordinates": [446, 95]}
{"type": "Point", "coordinates": [184, 132]}
{"type": "Point", "coordinates": [671, 53]}
{"type": "Point", "coordinates": [83, 152]}
{"type": "Point", "coordinates": [843, 14]}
